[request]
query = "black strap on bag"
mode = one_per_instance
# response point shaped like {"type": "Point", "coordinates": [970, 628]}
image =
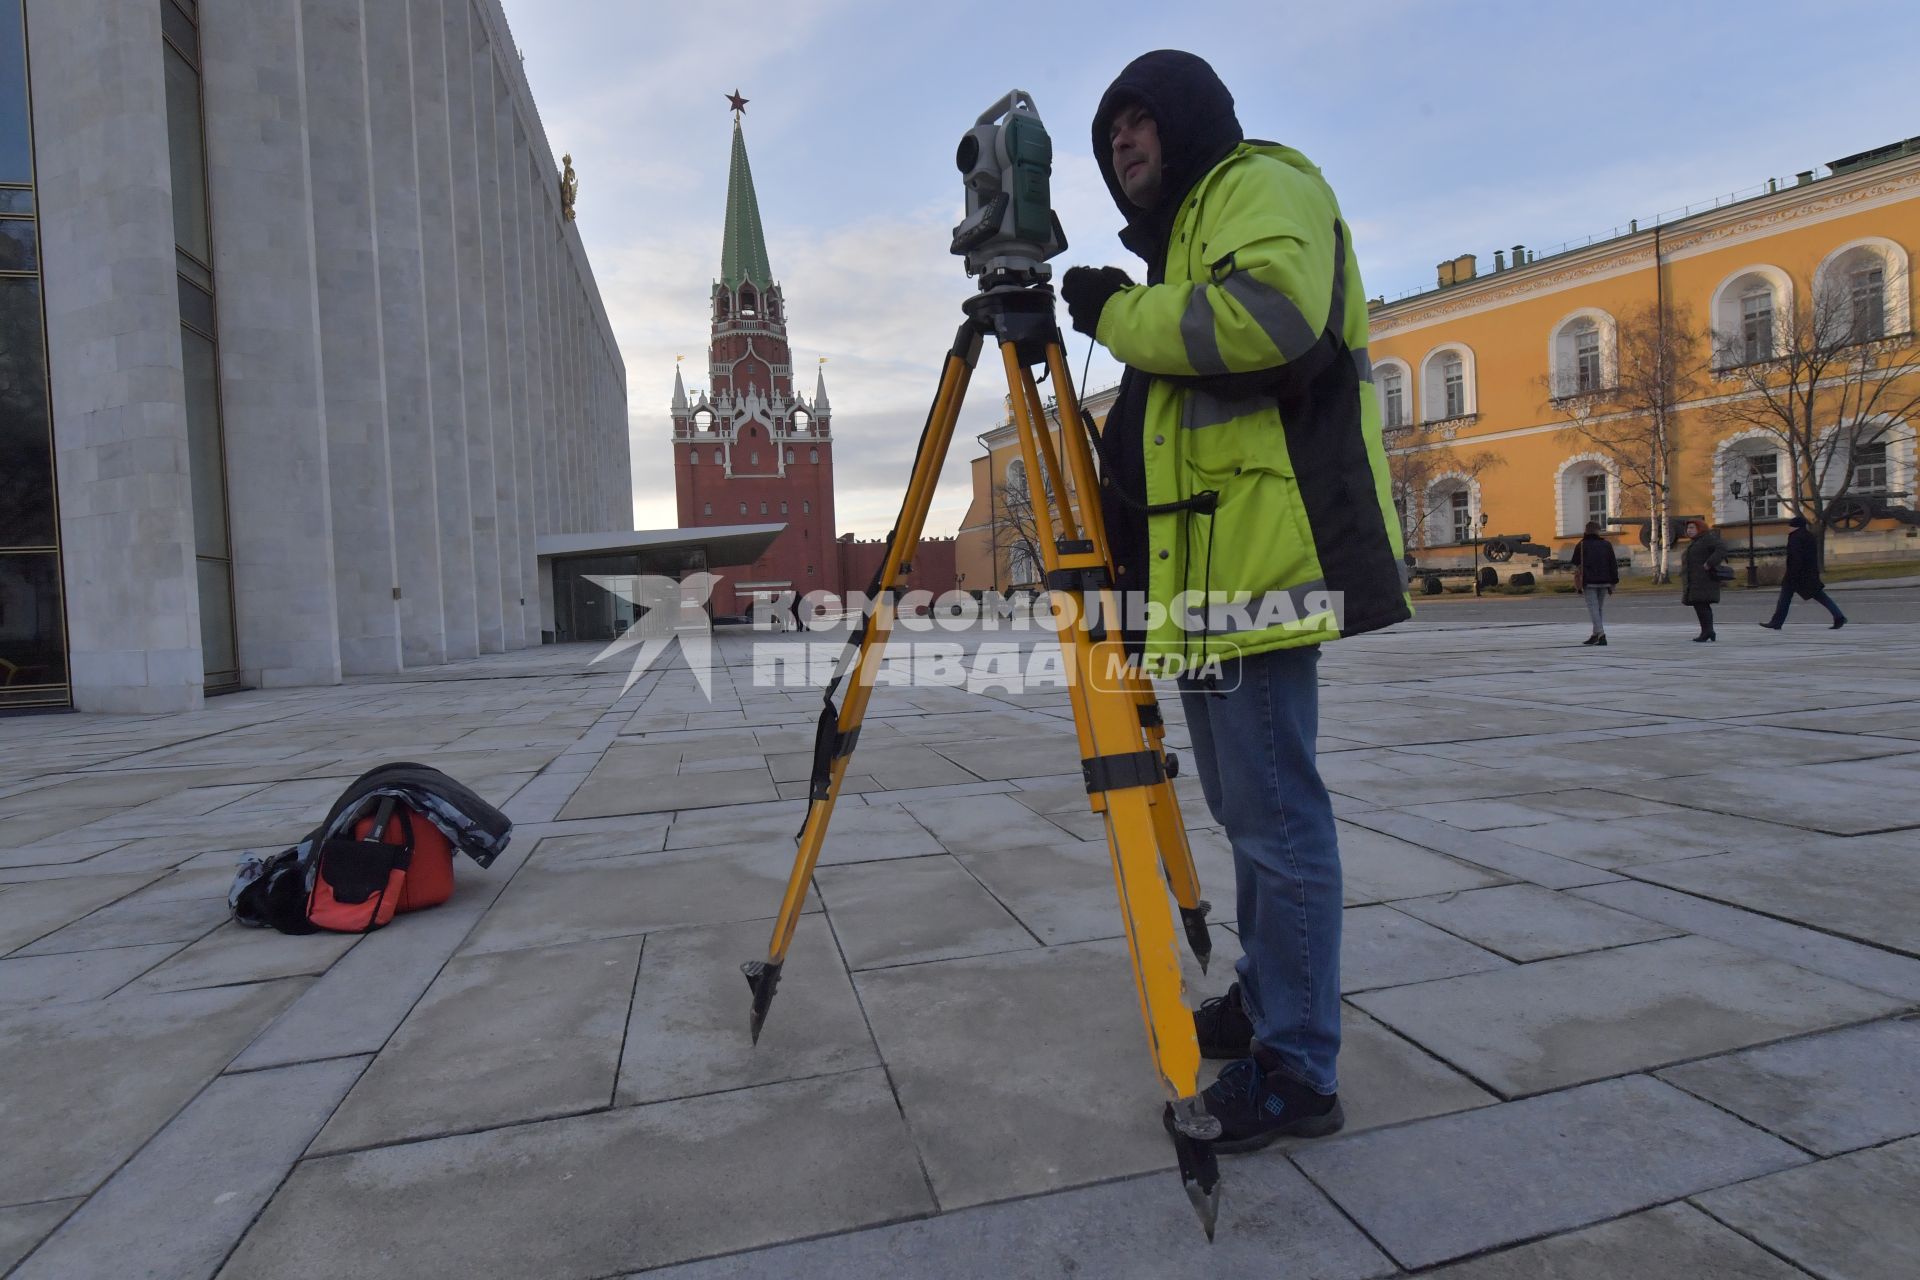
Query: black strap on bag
{"type": "Point", "coordinates": [357, 869]}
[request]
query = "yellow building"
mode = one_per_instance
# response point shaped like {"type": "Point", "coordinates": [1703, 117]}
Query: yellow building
{"type": "Point", "coordinates": [1518, 400]}
{"type": "Point", "coordinates": [1514, 397]}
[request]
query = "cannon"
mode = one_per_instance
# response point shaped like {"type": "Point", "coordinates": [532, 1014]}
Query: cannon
{"type": "Point", "coordinates": [1851, 512]}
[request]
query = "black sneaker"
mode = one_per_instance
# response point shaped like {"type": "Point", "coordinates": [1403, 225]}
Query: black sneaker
{"type": "Point", "coordinates": [1255, 1105]}
{"type": "Point", "coordinates": [1223, 1026]}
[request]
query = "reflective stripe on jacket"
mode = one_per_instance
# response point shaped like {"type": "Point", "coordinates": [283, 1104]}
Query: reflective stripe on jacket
{"type": "Point", "coordinates": [1263, 399]}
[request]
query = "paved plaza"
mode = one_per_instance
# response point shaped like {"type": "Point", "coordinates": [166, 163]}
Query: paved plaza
{"type": "Point", "coordinates": [1632, 955]}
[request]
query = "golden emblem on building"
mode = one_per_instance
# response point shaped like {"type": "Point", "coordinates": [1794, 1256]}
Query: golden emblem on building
{"type": "Point", "coordinates": [569, 188]}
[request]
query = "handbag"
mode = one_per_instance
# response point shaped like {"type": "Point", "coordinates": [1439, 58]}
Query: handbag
{"type": "Point", "coordinates": [1721, 573]}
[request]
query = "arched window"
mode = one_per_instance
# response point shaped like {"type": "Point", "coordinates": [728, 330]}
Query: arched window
{"type": "Point", "coordinates": [1016, 476]}
{"type": "Point", "coordinates": [789, 456]}
{"type": "Point", "coordinates": [753, 459]}
{"type": "Point", "coordinates": [743, 508]}
{"type": "Point", "coordinates": [1587, 492]}
{"type": "Point", "coordinates": [1393, 383]}
{"type": "Point", "coordinates": [806, 508]}
{"type": "Point", "coordinates": [708, 511]}
{"type": "Point", "coordinates": [718, 458]}
{"type": "Point", "coordinates": [1583, 353]}
{"type": "Point", "coordinates": [763, 508]}
{"type": "Point", "coordinates": [693, 455]}
{"type": "Point", "coordinates": [1751, 460]}
{"type": "Point", "coordinates": [749, 302]}
{"type": "Point", "coordinates": [1751, 311]}
{"type": "Point", "coordinates": [813, 455]}
{"type": "Point", "coordinates": [1447, 384]}
{"type": "Point", "coordinates": [1860, 291]}
{"type": "Point", "coordinates": [783, 508]}
{"type": "Point", "coordinates": [1453, 507]}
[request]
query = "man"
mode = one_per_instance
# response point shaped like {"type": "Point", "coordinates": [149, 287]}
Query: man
{"type": "Point", "coordinates": [1242, 460]}
{"type": "Point", "coordinates": [1803, 577]}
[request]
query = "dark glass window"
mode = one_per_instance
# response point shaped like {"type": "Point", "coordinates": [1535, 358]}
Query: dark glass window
{"type": "Point", "coordinates": [26, 451]}
{"type": "Point", "coordinates": [16, 134]}
{"type": "Point", "coordinates": [15, 200]}
{"type": "Point", "coordinates": [204, 445]}
{"type": "Point", "coordinates": [33, 646]}
{"type": "Point", "coordinates": [178, 27]}
{"type": "Point", "coordinates": [184, 149]}
{"type": "Point", "coordinates": [19, 247]}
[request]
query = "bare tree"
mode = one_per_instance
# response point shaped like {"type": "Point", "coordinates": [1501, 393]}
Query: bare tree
{"type": "Point", "coordinates": [1633, 420]}
{"type": "Point", "coordinates": [1826, 382]}
{"type": "Point", "coordinates": [1014, 528]}
{"type": "Point", "coordinates": [1418, 458]}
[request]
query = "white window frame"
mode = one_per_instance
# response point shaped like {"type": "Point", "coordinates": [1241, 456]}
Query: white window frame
{"type": "Point", "coordinates": [1837, 269]}
{"type": "Point", "coordinates": [1728, 314]}
{"type": "Point", "coordinates": [1383, 370]}
{"type": "Point", "coordinates": [1563, 351]}
{"type": "Point", "coordinates": [1433, 383]}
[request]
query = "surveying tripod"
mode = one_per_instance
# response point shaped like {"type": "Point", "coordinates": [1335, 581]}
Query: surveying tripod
{"type": "Point", "coordinates": [1127, 769]}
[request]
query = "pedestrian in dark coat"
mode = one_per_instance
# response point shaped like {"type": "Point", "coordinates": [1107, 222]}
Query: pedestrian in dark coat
{"type": "Point", "coordinates": [1803, 577]}
{"type": "Point", "coordinates": [1699, 586]}
{"type": "Point", "coordinates": [1596, 572]}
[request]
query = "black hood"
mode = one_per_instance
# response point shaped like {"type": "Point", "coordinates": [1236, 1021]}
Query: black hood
{"type": "Point", "coordinates": [1193, 113]}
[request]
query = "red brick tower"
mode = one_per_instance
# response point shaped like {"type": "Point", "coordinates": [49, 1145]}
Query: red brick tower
{"type": "Point", "coordinates": [748, 450]}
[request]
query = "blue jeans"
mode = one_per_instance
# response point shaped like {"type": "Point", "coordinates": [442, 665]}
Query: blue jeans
{"type": "Point", "coordinates": [1253, 747]}
{"type": "Point", "coordinates": [1779, 618]}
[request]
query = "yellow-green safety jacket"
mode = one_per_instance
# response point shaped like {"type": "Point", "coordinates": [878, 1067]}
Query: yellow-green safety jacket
{"type": "Point", "coordinates": [1270, 521]}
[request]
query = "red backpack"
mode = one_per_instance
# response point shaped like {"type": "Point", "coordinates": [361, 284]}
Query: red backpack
{"type": "Point", "coordinates": [395, 861]}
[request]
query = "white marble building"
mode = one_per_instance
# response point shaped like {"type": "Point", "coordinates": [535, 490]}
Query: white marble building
{"type": "Point", "coordinates": [325, 357]}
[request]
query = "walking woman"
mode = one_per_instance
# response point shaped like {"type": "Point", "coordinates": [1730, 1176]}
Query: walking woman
{"type": "Point", "coordinates": [1595, 574]}
{"type": "Point", "coordinates": [1700, 577]}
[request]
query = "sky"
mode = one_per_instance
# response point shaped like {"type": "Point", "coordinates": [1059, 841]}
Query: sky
{"type": "Point", "coordinates": [1444, 128]}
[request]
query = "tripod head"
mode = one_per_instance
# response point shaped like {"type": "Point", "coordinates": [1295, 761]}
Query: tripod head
{"type": "Point", "coordinates": [1010, 230]}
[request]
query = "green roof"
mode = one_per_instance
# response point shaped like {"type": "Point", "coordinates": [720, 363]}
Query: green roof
{"type": "Point", "coordinates": [744, 255]}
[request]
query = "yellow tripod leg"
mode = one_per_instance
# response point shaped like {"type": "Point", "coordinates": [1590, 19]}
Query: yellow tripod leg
{"type": "Point", "coordinates": [1122, 773]}
{"type": "Point", "coordinates": [1170, 830]}
{"type": "Point", "coordinates": [839, 730]}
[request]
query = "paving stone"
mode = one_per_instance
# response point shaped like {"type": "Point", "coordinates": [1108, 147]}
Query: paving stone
{"type": "Point", "coordinates": [1828, 1093]}
{"type": "Point", "coordinates": [1586, 802]}
{"type": "Point", "coordinates": [857, 833]}
{"type": "Point", "coordinates": [234, 953]}
{"type": "Point", "coordinates": [912, 910]}
{"type": "Point", "coordinates": [601, 796]}
{"type": "Point", "coordinates": [1379, 947]}
{"type": "Point", "coordinates": [688, 1030]}
{"type": "Point", "coordinates": [1820, 888]}
{"type": "Point", "coordinates": [648, 835]}
{"type": "Point", "coordinates": [32, 911]}
{"type": "Point", "coordinates": [550, 903]}
{"type": "Point", "coordinates": [1482, 815]}
{"type": "Point", "coordinates": [1849, 961]}
{"type": "Point", "coordinates": [974, 824]}
{"type": "Point", "coordinates": [178, 1207]}
{"type": "Point", "coordinates": [356, 1005]}
{"type": "Point", "coordinates": [135, 921]}
{"type": "Point", "coordinates": [600, 1194]}
{"type": "Point", "coordinates": [73, 1061]}
{"type": "Point", "coordinates": [1020, 1073]}
{"type": "Point", "coordinates": [1386, 1080]}
{"type": "Point", "coordinates": [1271, 1224]}
{"type": "Point", "coordinates": [1674, 1240]}
{"type": "Point", "coordinates": [1027, 755]}
{"type": "Point", "coordinates": [1382, 868]}
{"type": "Point", "coordinates": [498, 1039]}
{"type": "Point", "coordinates": [1525, 922]}
{"type": "Point", "coordinates": [1853, 797]}
{"type": "Point", "coordinates": [1063, 892]}
{"type": "Point", "coordinates": [1849, 1218]}
{"type": "Point", "coordinates": [1625, 842]}
{"type": "Point", "coordinates": [1483, 849]}
{"type": "Point", "coordinates": [1442, 1188]}
{"type": "Point", "coordinates": [24, 1226]}
{"type": "Point", "coordinates": [1559, 1022]}
{"type": "Point", "coordinates": [70, 978]}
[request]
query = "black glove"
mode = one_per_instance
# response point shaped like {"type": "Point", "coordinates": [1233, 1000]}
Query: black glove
{"type": "Point", "coordinates": [1085, 290]}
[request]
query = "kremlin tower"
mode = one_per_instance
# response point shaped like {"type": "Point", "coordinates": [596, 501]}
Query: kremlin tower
{"type": "Point", "coordinates": [747, 450]}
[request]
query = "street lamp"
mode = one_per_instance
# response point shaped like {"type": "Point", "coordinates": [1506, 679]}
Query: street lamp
{"type": "Point", "coordinates": [1755, 490]}
{"type": "Point", "coordinates": [1476, 554]}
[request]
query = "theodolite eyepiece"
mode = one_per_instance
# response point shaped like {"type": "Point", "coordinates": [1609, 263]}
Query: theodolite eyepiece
{"type": "Point", "coordinates": [1006, 166]}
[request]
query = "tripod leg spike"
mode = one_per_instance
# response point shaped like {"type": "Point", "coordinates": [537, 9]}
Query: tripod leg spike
{"type": "Point", "coordinates": [1193, 1132]}
{"type": "Point", "coordinates": [764, 979]}
{"type": "Point", "coordinates": [1194, 919]}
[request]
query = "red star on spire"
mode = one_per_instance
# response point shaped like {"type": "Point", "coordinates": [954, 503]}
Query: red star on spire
{"type": "Point", "coordinates": [738, 103]}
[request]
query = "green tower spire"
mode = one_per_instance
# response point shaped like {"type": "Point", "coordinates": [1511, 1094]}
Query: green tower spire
{"type": "Point", "coordinates": [744, 255]}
